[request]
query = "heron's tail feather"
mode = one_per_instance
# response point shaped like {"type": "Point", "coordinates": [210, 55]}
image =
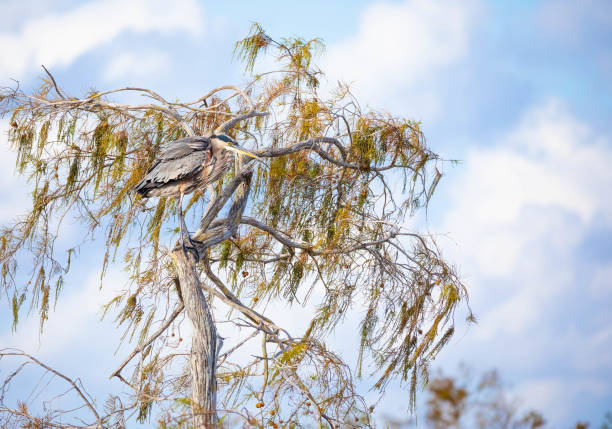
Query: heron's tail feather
{"type": "Point", "coordinates": [144, 187]}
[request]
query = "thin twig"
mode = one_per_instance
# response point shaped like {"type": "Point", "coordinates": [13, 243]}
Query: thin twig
{"type": "Point", "coordinates": [8, 352]}
{"type": "Point", "coordinates": [152, 338]}
{"type": "Point", "coordinates": [54, 83]}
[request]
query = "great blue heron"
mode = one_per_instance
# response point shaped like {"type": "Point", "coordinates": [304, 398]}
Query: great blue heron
{"type": "Point", "coordinates": [185, 165]}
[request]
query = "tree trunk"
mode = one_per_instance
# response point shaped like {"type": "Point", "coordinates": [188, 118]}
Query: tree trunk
{"type": "Point", "coordinates": [203, 343]}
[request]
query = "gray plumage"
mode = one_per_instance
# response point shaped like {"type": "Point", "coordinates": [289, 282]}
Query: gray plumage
{"type": "Point", "coordinates": [186, 165]}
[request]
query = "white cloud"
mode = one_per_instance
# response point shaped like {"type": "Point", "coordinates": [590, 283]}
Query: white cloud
{"type": "Point", "coordinates": [601, 287]}
{"type": "Point", "coordinates": [14, 11]}
{"type": "Point", "coordinates": [136, 65]}
{"type": "Point", "coordinates": [57, 39]}
{"type": "Point", "coordinates": [556, 395]}
{"type": "Point", "coordinates": [593, 352]}
{"type": "Point", "coordinates": [73, 322]}
{"type": "Point", "coordinates": [402, 44]}
{"type": "Point", "coordinates": [521, 209]}
{"type": "Point", "coordinates": [543, 182]}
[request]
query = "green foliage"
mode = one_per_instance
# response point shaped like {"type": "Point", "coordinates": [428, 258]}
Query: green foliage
{"type": "Point", "coordinates": [247, 49]}
{"type": "Point", "coordinates": [16, 305]}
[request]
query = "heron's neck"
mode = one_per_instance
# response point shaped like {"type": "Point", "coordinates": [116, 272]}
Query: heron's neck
{"type": "Point", "coordinates": [217, 145]}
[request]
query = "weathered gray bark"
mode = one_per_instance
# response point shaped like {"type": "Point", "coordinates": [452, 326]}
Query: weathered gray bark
{"type": "Point", "coordinates": [204, 341]}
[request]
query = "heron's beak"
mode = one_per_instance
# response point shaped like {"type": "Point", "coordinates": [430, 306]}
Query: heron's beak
{"type": "Point", "coordinates": [241, 151]}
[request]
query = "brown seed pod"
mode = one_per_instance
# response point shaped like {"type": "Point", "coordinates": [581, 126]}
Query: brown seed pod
{"type": "Point", "coordinates": [245, 273]}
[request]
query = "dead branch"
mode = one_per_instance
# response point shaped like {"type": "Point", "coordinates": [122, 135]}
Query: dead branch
{"type": "Point", "coordinates": [79, 391]}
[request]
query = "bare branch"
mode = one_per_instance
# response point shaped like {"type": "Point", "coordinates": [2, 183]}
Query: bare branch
{"type": "Point", "coordinates": [79, 391]}
{"type": "Point", "coordinates": [231, 123]}
{"type": "Point", "coordinates": [224, 355]}
{"type": "Point", "coordinates": [313, 144]}
{"type": "Point", "coordinates": [54, 83]}
{"type": "Point", "coordinates": [281, 237]}
{"type": "Point", "coordinates": [230, 299]}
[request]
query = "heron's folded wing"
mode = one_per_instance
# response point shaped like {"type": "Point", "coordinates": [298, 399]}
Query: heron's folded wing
{"type": "Point", "coordinates": [184, 167]}
{"type": "Point", "coordinates": [183, 147]}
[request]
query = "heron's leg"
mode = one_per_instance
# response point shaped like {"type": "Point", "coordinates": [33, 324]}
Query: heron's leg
{"type": "Point", "coordinates": [186, 241]}
{"type": "Point", "coordinates": [181, 219]}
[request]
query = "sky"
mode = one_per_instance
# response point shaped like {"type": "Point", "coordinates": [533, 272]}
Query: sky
{"type": "Point", "coordinates": [520, 92]}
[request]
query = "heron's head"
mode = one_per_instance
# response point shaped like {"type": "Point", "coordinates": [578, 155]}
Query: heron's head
{"type": "Point", "coordinates": [228, 143]}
